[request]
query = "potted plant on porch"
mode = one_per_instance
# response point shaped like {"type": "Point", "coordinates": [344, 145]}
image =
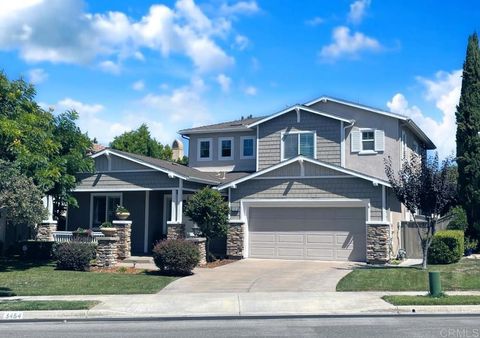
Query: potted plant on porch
{"type": "Point", "coordinates": [82, 235]}
{"type": "Point", "coordinates": [122, 212]}
{"type": "Point", "coordinates": [108, 230]}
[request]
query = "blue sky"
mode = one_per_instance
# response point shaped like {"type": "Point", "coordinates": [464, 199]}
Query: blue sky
{"type": "Point", "coordinates": [177, 64]}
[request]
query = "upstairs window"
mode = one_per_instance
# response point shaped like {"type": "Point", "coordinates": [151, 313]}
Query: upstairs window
{"type": "Point", "coordinates": [247, 146]}
{"type": "Point", "coordinates": [298, 143]}
{"type": "Point", "coordinates": [225, 148]}
{"type": "Point", "coordinates": [367, 141]}
{"type": "Point", "coordinates": [204, 149]}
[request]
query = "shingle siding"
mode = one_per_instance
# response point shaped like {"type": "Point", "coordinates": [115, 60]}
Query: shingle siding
{"type": "Point", "coordinates": [327, 130]}
{"type": "Point", "coordinates": [126, 181]}
{"type": "Point", "coordinates": [314, 188]}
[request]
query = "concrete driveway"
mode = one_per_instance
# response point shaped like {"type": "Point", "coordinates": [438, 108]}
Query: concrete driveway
{"type": "Point", "coordinates": [264, 275]}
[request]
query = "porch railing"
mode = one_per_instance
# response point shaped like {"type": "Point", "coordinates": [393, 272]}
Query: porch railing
{"type": "Point", "coordinates": [67, 236]}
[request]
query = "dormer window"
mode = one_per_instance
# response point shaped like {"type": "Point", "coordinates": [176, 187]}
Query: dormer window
{"type": "Point", "coordinates": [204, 149]}
{"type": "Point", "coordinates": [298, 143]}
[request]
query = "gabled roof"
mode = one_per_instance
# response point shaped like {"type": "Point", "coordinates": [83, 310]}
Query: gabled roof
{"type": "Point", "coordinates": [298, 107]}
{"type": "Point", "coordinates": [354, 173]}
{"type": "Point", "coordinates": [408, 121]}
{"type": "Point", "coordinates": [230, 126]}
{"type": "Point", "coordinates": [171, 168]}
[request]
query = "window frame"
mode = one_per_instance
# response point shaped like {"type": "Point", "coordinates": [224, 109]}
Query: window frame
{"type": "Point", "coordinates": [367, 151]}
{"type": "Point", "coordinates": [403, 145]}
{"type": "Point", "coordinates": [232, 148]}
{"type": "Point", "coordinates": [298, 133]}
{"type": "Point", "coordinates": [242, 139]}
{"type": "Point", "coordinates": [106, 195]}
{"type": "Point", "coordinates": [210, 148]}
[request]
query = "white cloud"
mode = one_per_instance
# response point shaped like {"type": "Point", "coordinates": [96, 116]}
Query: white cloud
{"type": "Point", "coordinates": [224, 82]}
{"type": "Point", "coordinates": [39, 33]}
{"type": "Point", "coordinates": [241, 42]}
{"type": "Point", "coordinates": [138, 85]}
{"type": "Point", "coordinates": [110, 67]}
{"type": "Point", "coordinates": [348, 44]}
{"type": "Point", "coordinates": [241, 7]}
{"type": "Point", "coordinates": [316, 21]}
{"type": "Point", "coordinates": [444, 92]}
{"type": "Point", "coordinates": [358, 10]}
{"type": "Point", "coordinates": [250, 90]}
{"type": "Point", "coordinates": [37, 75]}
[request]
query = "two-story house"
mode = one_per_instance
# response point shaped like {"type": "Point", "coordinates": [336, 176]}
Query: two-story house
{"type": "Point", "coordinates": [305, 183]}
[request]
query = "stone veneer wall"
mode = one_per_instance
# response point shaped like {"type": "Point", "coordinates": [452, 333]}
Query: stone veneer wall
{"type": "Point", "coordinates": [378, 239]}
{"type": "Point", "coordinates": [45, 231]}
{"type": "Point", "coordinates": [107, 252]}
{"type": "Point", "coordinates": [175, 231]}
{"type": "Point", "coordinates": [200, 244]}
{"type": "Point", "coordinates": [235, 238]}
{"type": "Point", "coordinates": [124, 234]}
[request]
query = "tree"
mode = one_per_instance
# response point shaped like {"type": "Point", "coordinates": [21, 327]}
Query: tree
{"type": "Point", "coordinates": [49, 149]}
{"type": "Point", "coordinates": [426, 189]}
{"type": "Point", "coordinates": [20, 200]}
{"type": "Point", "coordinates": [141, 142]}
{"type": "Point", "coordinates": [209, 211]}
{"type": "Point", "coordinates": [468, 139]}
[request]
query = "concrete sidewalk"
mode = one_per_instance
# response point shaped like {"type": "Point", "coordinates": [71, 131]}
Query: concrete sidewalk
{"type": "Point", "coordinates": [238, 304]}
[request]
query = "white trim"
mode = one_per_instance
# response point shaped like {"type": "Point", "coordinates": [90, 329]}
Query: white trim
{"type": "Point", "coordinates": [210, 149]}
{"type": "Point", "coordinates": [298, 132]}
{"type": "Point", "coordinates": [126, 171]}
{"type": "Point", "coordinates": [246, 204]}
{"type": "Point", "coordinates": [106, 194]}
{"type": "Point", "coordinates": [242, 139]}
{"type": "Point", "coordinates": [208, 131]}
{"type": "Point", "coordinates": [110, 151]}
{"type": "Point", "coordinates": [384, 205]}
{"type": "Point", "coordinates": [232, 148]}
{"type": "Point", "coordinates": [119, 190]}
{"type": "Point", "coordinates": [367, 151]}
{"type": "Point", "coordinates": [300, 107]}
{"type": "Point", "coordinates": [147, 216]}
{"type": "Point", "coordinates": [109, 161]}
{"type": "Point", "coordinates": [166, 197]}
{"type": "Point", "coordinates": [301, 177]}
{"type": "Point", "coordinates": [342, 145]}
{"type": "Point", "coordinates": [173, 207]}
{"type": "Point", "coordinates": [229, 203]}
{"type": "Point", "coordinates": [180, 202]}
{"type": "Point", "coordinates": [256, 151]}
{"type": "Point", "coordinates": [307, 159]}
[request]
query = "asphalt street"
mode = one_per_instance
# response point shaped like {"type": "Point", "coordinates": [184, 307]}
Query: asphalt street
{"type": "Point", "coordinates": [411, 326]}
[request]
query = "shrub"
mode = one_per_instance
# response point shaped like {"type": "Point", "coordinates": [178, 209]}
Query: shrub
{"type": "Point", "coordinates": [459, 219]}
{"type": "Point", "coordinates": [74, 255]}
{"type": "Point", "coordinates": [447, 247]}
{"type": "Point", "coordinates": [37, 250]}
{"type": "Point", "coordinates": [175, 256]}
{"type": "Point", "coordinates": [7, 293]}
{"type": "Point", "coordinates": [470, 245]}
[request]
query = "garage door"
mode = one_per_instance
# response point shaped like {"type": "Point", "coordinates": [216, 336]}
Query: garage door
{"type": "Point", "coordinates": [307, 233]}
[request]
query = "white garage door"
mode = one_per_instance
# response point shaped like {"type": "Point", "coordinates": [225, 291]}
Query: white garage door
{"type": "Point", "coordinates": [324, 233]}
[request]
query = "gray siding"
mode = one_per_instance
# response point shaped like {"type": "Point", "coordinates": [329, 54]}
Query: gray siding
{"type": "Point", "coordinates": [193, 185]}
{"type": "Point", "coordinates": [79, 217]}
{"type": "Point", "coordinates": [237, 164]}
{"type": "Point", "coordinates": [134, 201]}
{"type": "Point", "coordinates": [117, 163]}
{"type": "Point", "coordinates": [293, 169]}
{"type": "Point", "coordinates": [311, 188]}
{"type": "Point", "coordinates": [126, 180]}
{"type": "Point", "coordinates": [327, 142]}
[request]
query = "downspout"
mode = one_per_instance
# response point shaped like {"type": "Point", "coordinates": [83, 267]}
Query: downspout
{"type": "Point", "coordinates": [342, 142]}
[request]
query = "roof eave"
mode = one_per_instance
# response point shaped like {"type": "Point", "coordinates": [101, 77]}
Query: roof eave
{"type": "Point", "coordinates": [416, 129]}
{"type": "Point", "coordinates": [217, 130]}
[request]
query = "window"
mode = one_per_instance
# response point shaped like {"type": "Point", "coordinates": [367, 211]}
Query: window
{"type": "Point", "coordinates": [298, 143]}
{"type": "Point", "coordinates": [225, 148]}
{"type": "Point", "coordinates": [204, 149]}
{"type": "Point", "coordinates": [368, 140]}
{"type": "Point", "coordinates": [103, 208]}
{"type": "Point", "coordinates": [247, 145]}
{"type": "Point", "coordinates": [403, 154]}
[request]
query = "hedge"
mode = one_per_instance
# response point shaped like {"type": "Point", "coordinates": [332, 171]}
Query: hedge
{"type": "Point", "coordinates": [447, 247]}
{"type": "Point", "coordinates": [176, 256]}
{"type": "Point", "coordinates": [74, 255]}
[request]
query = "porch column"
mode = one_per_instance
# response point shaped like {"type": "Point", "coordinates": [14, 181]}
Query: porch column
{"type": "Point", "coordinates": [180, 201]}
{"type": "Point", "coordinates": [173, 217]}
{"type": "Point", "coordinates": [175, 228]}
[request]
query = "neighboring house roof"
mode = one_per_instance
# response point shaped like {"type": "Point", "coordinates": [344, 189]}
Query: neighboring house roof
{"type": "Point", "coordinates": [408, 121]}
{"type": "Point", "coordinates": [374, 180]}
{"type": "Point", "coordinates": [171, 168]}
{"type": "Point", "coordinates": [230, 126]}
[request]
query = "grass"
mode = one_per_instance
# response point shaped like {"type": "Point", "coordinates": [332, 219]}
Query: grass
{"type": "Point", "coordinates": [27, 305]}
{"type": "Point", "coordinates": [464, 275]}
{"type": "Point", "coordinates": [428, 300]}
{"type": "Point", "coordinates": [42, 279]}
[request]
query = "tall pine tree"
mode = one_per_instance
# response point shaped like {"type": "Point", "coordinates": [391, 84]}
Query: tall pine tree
{"type": "Point", "coordinates": [468, 138]}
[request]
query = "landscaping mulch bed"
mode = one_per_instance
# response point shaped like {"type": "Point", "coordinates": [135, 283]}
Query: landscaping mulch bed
{"type": "Point", "coordinates": [218, 262]}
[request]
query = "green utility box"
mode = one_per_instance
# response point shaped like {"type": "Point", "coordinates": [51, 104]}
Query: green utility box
{"type": "Point", "coordinates": [435, 284]}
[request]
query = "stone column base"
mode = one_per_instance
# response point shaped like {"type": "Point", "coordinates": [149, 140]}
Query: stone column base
{"type": "Point", "coordinates": [175, 230]}
{"type": "Point", "coordinates": [378, 238]}
{"type": "Point", "coordinates": [200, 244]}
{"type": "Point", "coordinates": [107, 252]}
{"type": "Point", "coordinates": [45, 231]}
{"type": "Point", "coordinates": [124, 234]}
{"type": "Point", "coordinates": [235, 239]}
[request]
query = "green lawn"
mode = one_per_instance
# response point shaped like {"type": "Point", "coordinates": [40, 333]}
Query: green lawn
{"type": "Point", "coordinates": [27, 305]}
{"type": "Point", "coordinates": [41, 278]}
{"type": "Point", "coordinates": [427, 300]}
{"type": "Point", "coordinates": [464, 275]}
